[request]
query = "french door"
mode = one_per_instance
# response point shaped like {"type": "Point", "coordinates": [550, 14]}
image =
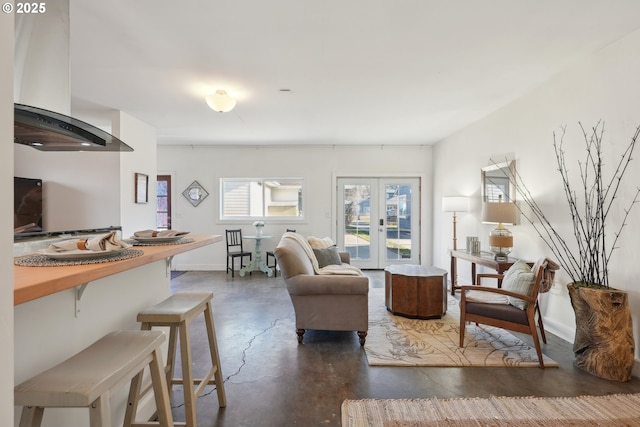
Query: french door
{"type": "Point", "coordinates": [379, 220]}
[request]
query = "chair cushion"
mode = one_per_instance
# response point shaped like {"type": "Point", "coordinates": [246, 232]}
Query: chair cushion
{"type": "Point", "coordinates": [519, 279]}
{"type": "Point", "coordinates": [504, 312]}
{"type": "Point", "coordinates": [327, 256]}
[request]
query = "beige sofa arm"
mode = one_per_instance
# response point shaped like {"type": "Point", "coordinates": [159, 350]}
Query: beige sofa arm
{"type": "Point", "coordinates": [304, 284]}
{"type": "Point", "coordinates": [345, 257]}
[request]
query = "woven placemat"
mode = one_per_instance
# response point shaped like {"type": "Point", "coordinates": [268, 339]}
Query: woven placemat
{"type": "Point", "coordinates": [184, 240]}
{"type": "Point", "coordinates": [45, 261]}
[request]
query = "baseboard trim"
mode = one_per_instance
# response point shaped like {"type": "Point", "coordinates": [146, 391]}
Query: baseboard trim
{"type": "Point", "coordinates": [558, 329]}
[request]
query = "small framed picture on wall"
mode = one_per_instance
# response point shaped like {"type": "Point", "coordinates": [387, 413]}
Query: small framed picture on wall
{"type": "Point", "coordinates": [142, 188]}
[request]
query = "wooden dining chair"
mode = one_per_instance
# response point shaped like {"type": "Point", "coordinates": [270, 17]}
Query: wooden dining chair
{"type": "Point", "coordinates": [235, 249]}
{"type": "Point", "coordinates": [271, 261]}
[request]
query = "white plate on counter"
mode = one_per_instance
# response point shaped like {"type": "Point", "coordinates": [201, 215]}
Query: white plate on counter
{"type": "Point", "coordinates": [78, 254]}
{"type": "Point", "coordinates": [157, 239]}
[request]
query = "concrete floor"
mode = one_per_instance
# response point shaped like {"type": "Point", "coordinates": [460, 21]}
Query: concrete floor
{"type": "Point", "coordinates": [272, 381]}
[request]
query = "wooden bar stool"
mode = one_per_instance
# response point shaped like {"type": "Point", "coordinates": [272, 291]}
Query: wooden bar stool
{"type": "Point", "coordinates": [87, 379]}
{"type": "Point", "coordinates": [177, 312]}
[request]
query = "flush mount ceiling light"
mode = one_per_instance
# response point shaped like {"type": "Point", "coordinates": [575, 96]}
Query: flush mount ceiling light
{"type": "Point", "coordinates": [220, 101]}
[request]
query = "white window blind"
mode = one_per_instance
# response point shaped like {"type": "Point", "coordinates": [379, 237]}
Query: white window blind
{"type": "Point", "coordinates": [261, 198]}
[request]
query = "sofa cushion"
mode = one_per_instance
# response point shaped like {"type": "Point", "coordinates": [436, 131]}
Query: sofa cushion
{"type": "Point", "coordinates": [520, 279]}
{"type": "Point", "coordinates": [318, 243]}
{"type": "Point", "coordinates": [306, 285]}
{"type": "Point", "coordinates": [327, 256]}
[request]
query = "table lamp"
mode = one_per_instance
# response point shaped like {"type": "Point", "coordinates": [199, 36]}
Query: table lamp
{"type": "Point", "coordinates": [500, 238]}
{"type": "Point", "coordinates": [455, 204]}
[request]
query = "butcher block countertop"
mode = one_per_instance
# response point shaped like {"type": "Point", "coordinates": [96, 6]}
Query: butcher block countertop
{"type": "Point", "coordinates": [30, 283]}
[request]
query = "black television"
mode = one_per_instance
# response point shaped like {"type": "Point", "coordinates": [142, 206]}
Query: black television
{"type": "Point", "coordinates": [27, 205]}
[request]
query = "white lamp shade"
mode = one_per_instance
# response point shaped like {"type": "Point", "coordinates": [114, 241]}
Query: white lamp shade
{"type": "Point", "coordinates": [220, 101]}
{"type": "Point", "coordinates": [455, 204]}
{"type": "Point", "coordinates": [499, 213]}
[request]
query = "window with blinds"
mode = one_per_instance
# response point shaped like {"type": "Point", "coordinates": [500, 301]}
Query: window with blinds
{"type": "Point", "coordinates": [253, 198]}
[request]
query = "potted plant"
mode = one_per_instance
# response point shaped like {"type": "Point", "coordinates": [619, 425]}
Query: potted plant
{"type": "Point", "coordinates": [604, 343]}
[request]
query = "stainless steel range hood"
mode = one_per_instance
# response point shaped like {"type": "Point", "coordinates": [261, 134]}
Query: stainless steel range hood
{"type": "Point", "coordinates": [50, 131]}
{"type": "Point", "coordinates": [42, 87]}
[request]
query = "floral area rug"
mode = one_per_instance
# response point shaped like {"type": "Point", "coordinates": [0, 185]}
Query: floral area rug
{"type": "Point", "coordinates": [399, 341]}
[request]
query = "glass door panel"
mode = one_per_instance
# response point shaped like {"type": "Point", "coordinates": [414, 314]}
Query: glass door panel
{"type": "Point", "coordinates": [378, 222]}
{"type": "Point", "coordinates": [356, 196]}
{"type": "Point", "coordinates": [398, 222]}
{"type": "Point", "coordinates": [163, 200]}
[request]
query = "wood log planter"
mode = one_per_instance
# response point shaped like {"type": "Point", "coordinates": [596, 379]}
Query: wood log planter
{"type": "Point", "coordinates": [604, 344]}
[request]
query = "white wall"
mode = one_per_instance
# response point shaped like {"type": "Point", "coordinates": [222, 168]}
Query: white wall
{"type": "Point", "coordinates": [605, 86]}
{"type": "Point", "coordinates": [318, 166]}
{"type": "Point", "coordinates": [142, 138]}
{"type": "Point", "coordinates": [6, 213]}
{"type": "Point", "coordinates": [80, 189]}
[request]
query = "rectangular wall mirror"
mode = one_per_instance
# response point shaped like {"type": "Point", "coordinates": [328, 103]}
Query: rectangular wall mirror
{"type": "Point", "coordinates": [497, 182]}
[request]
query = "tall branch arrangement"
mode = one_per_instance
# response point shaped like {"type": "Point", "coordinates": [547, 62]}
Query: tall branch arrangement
{"type": "Point", "coordinates": [590, 206]}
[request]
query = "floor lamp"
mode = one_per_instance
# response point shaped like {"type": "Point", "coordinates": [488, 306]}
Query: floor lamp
{"type": "Point", "coordinates": [455, 204]}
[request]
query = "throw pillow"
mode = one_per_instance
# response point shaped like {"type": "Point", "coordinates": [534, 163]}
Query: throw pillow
{"type": "Point", "coordinates": [519, 279]}
{"type": "Point", "coordinates": [327, 256]}
{"type": "Point", "coordinates": [486, 297]}
{"type": "Point", "coordinates": [317, 243]}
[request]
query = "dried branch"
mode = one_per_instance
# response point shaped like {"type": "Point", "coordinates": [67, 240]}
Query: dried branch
{"type": "Point", "coordinates": [589, 209]}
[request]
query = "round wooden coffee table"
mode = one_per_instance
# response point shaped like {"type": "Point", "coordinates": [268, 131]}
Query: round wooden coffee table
{"type": "Point", "coordinates": [415, 291]}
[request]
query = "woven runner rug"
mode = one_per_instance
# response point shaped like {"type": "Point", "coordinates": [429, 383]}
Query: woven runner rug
{"type": "Point", "coordinates": [621, 410]}
{"type": "Point", "coordinates": [399, 341]}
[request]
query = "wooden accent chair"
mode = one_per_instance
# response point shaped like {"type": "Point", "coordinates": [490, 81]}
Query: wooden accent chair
{"type": "Point", "coordinates": [235, 249]}
{"type": "Point", "coordinates": [503, 307]}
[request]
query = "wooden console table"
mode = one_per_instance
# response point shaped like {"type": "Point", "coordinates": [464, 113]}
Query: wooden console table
{"type": "Point", "coordinates": [486, 259]}
{"type": "Point", "coordinates": [415, 291]}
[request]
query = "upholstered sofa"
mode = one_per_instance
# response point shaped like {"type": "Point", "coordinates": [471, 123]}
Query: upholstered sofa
{"type": "Point", "coordinates": [331, 302]}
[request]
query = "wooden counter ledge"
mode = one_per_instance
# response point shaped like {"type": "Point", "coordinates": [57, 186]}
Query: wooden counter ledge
{"type": "Point", "coordinates": [30, 283]}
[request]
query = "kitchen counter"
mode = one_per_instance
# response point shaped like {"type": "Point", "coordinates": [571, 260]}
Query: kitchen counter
{"type": "Point", "coordinates": [31, 283]}
{"type": "Point", "coordinates": [58, 311]}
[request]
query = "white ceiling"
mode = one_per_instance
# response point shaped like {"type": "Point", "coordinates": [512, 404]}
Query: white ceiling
{"type": "Point", "coordinates": [357, 71]}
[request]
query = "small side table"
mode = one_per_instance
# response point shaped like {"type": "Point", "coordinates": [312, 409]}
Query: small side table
{"type": "Point", "coordinates": [485, 259]}
{"type": "Point", "coordinates": [415, 291]}
{"type": "Point", "coordinates": [257, 263]}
